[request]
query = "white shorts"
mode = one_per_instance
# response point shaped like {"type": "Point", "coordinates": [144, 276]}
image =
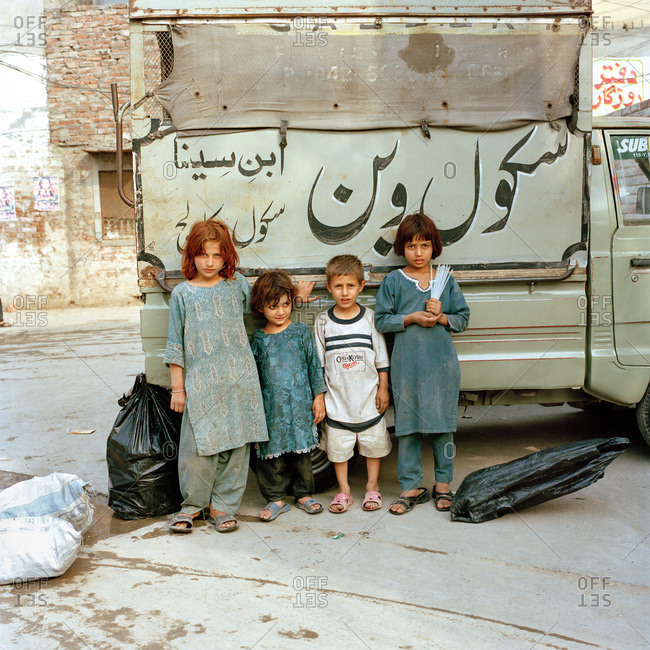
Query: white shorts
{"type": "Point", "coordinates": [374, 442]}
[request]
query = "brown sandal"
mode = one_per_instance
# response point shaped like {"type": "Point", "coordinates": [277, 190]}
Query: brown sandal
{"type": "Point", "coordinates": [444, 496]}
{"type": "Point", "coordinates": [410, 502]}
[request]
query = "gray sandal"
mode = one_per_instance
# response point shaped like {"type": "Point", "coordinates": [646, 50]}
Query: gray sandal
{"type": "Point", "coordinates": [222, 519]}
{"type": "Point", "coordinates": [307, 506]}
{"type": "Point", "coordinates": [181, 518]}
{"type": "Point", "coordinates": [275, 510]}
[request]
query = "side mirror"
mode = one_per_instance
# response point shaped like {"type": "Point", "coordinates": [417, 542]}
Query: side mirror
{"type": "Point", "coordinates": [643, 200]}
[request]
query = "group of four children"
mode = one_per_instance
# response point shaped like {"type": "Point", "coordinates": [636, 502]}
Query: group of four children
{"type": "Point", "coordinates": [274, 391]}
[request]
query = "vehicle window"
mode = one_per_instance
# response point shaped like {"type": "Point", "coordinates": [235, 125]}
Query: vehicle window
{"type": "Point", "coordinates": [632, 171]}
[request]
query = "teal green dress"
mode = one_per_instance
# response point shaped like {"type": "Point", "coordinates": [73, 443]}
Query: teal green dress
{"type": "Point", "coordinates": [207, 337]}
{"type": "Point", "coordinates": [424, 368]}
{"type": "Point", "coordinates": [291, 376]}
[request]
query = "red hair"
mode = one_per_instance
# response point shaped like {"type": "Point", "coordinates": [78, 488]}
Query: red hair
{"type": "Point", "coordinates": [209, 230]}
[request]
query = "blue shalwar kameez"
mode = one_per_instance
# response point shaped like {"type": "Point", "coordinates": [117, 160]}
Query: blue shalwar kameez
{"type": "Point", "coordinates": [224, 411]}
{"type": "Point", "coordinates": [425, 373]}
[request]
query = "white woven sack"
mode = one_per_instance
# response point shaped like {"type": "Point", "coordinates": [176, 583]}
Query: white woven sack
{"type": "Point", "coordinates": [36, 547]}
{"type": "Point", "coordinates": [56, 495]}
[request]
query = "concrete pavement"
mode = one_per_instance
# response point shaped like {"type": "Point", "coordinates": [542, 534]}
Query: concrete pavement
{"type": "Point", "coordinates": [571, 573]}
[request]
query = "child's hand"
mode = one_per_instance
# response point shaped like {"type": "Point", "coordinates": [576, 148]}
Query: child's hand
{"type": "Point", "coordinates": [303, 292]}
{"type": "Point", "coordinates": [318, 408]}
{"type": "Point", "coordinates": [382, 399]}
{"type": "Point", "coordinates": [178, 402]}
{"type": "Point", "coordinates": [434, 306]}
{"type": "Point", "coordinates": [422, 318]}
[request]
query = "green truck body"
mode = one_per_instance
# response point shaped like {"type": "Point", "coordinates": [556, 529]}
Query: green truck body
{"type": "Point", "coordinates": [545, 213]}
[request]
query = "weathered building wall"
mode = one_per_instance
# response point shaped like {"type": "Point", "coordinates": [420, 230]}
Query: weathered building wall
{"type": "Point", "coordinates": [53, 123]}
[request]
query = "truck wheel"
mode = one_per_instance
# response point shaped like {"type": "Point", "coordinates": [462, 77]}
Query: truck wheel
{"type": "Point", "coordinates": [643, 416]}
{"type": "Point", "coordinates": [324, 476]}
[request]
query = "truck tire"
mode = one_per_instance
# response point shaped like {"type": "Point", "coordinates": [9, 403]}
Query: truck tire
{"type": "Point", "coordinates": [324, 476]}
{"type": "Point", "coordinates": [643, 416]}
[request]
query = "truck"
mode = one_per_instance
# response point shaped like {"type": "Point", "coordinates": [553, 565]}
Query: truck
{"type": "Point", "coordinates": [312, 130]}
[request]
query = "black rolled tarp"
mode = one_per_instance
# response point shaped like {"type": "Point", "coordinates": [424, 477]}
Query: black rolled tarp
{"type": "Point", "coordinates": [492, 492]}
{"type": "Point", "coordinates": [142, 454]}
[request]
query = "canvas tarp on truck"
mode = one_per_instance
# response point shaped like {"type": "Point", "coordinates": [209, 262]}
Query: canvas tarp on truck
{"type": "Point", "coordinates": [478, 76]}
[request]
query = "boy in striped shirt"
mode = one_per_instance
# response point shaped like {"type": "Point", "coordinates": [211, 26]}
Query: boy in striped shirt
{"type": "Point", "coordinates": [355, 360]}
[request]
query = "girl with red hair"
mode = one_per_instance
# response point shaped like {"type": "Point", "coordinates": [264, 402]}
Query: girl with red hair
{"type": "Point", "coordinates": [214, 379]}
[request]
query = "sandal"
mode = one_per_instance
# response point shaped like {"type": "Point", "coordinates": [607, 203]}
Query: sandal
{"type": "Point", "coordinates": [275, 510]}
{"type": "Point", "coordinates": [180, 518]}
{"type": "Point", "coordinates": [307, 506]}
{"type": "Point", "coordinates": [445, 496]}
{"type": "Point", "coordinates": [409, 503]}
{"type": "Point", "coordinates": [343, 500]}
{"type": "Point", "coordinates": [371, 497]}
{"type": "Point", "coordinates": [222, 519]}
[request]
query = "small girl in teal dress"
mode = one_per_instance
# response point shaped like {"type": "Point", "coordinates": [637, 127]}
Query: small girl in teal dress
{"type": "Point", "coordinates": [425, 373]}
{"type": "Point", "coordinates": [292, 383]}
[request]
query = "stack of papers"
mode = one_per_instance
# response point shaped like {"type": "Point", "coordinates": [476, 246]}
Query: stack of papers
{"type": "Point", "coordinates": [443, 271]}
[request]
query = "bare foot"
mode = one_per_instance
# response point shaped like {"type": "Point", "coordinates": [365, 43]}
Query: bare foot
{"type": "Point", "coordinates": [265, 514]}
{"type": "Point", "coordinates": [443, 488]}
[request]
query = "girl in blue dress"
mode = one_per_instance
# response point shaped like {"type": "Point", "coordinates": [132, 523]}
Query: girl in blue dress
{"type": "Point", "coordinates": [425, 373]}
{"type": "Point", "coordinates": [293, 389]}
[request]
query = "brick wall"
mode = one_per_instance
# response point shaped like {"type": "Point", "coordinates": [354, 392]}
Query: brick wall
{"type": "Point", "coordinates": [86, 51]}
{"type": "Point", "coordinates": [55, 255]}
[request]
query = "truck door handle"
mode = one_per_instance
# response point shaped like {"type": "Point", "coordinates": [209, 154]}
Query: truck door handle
{"type": "Point", "coordinates": [644, 261]}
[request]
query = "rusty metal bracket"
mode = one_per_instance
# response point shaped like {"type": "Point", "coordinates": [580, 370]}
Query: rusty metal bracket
{"type": "Point", "coordinates": [425, 129]}
{"type": "Point", "coordinates": [118, 114]}
{"type": "Point", "coordinates": [596, 158]}
{"type": "Point", "coordinates": [161, 277]}
{"type": "Point", "coordinates": [283, 142]}
{"type": "Point", "coordinates": [143, 99]}
{"type": "Point", "coordinates": [571, 266]}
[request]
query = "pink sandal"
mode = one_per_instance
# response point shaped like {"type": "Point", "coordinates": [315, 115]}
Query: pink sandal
{"type": "Point", "coordinates": [371, 497]}
{"type": "Point", "coordinates": [343, 500]}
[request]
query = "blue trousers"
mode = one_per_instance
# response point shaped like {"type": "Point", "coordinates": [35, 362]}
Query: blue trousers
{"type": "Point", "coordinates": [409, 459]}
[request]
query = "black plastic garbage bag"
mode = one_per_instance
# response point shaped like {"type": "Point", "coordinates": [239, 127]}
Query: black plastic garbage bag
{"type": "Point", "coordinates": [494, 491]}
{"type": "Point", "coordinates": [142, 454]}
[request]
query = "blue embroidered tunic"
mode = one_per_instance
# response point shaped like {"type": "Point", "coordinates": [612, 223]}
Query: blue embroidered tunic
{"type": "Point", "coordinates": [425, 373]}
{"type": "Point", "coordinates": [291, 377]}
{"type": "Point", "coordinates": [206, 337]}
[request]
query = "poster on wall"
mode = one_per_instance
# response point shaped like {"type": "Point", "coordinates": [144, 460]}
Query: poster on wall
{"type": "Point", "coordinates": [618, 83]}
{"type": "Point", "coordinates": [46, 193]}
{"type": "Point", "coordinates": [7, 203]}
